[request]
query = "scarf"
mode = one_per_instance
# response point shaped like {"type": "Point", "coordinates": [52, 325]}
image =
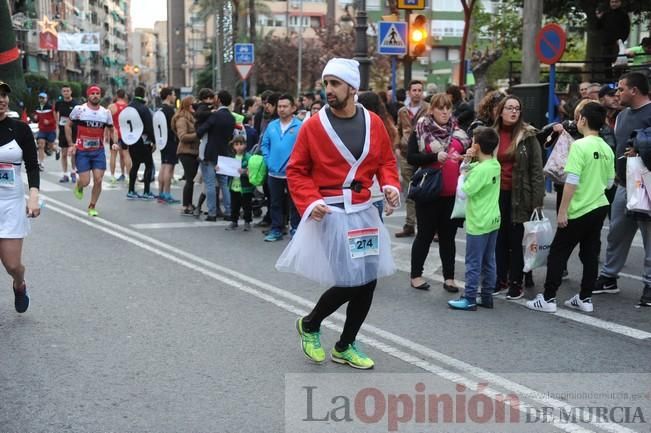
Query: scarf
{"type": "Point", "coordinates": [435, 138]}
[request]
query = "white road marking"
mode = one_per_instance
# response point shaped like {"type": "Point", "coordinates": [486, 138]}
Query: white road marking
{"type": "Point", "coordinates": [180, 225]}
{"type": "Point", "coordinates": [157, 247]}
{"type": "Point", "coordinates": [45, 186]}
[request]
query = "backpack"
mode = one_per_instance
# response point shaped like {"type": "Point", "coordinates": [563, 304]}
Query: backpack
{"type": "Point", "coordinates": [257, 170]}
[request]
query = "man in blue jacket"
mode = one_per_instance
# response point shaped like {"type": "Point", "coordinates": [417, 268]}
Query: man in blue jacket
{"type": "Point", "coordinates": [277, 145]}
{"type": "Point", "coordinates": [219, 127]}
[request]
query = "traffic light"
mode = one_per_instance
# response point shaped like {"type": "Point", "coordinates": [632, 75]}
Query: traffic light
{"type": "Point", "coordinates": [128, 69]}
{"type": "Point", "coordinates": [136, 70]}
{"type": "Point", "coordinates": [418, 37]}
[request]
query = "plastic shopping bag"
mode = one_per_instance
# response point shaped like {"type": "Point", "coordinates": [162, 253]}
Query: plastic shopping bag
{"type": "Point", "coordinates": [459, 210]}
{"type": "Point", "coordinates": [637, 194]}
{"type": "Point", "coordinates": [555, 166]}
{"type": "Point", "coordinates": [538, 236]}
{"type": "Point", "coordinates": [622, 58]}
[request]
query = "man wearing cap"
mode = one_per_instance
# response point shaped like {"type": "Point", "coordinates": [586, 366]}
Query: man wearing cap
{"type": "Point", "coordinates": [16, 146]}
{"type": "Point", "coordinates": [94, 128]}
{"type": "Point", "coordinates": [47, 128]}
{"type": "Point", "coordinates": [341, 241]}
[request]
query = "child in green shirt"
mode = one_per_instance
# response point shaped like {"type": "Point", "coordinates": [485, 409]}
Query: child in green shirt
{"type": "Point", "coordinates": [481, 188]}
{"type": "Point", "coordinates": [590, 171]}
{"type": "Point", "coordinates": [240, 188]}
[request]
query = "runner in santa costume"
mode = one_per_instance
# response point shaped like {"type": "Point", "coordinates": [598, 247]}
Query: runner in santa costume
{"type": "Point", "coordinates": [341, 241]}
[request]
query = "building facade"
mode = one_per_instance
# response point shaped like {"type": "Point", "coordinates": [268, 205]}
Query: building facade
{"type": "Point", "coordinates": [109, 18]}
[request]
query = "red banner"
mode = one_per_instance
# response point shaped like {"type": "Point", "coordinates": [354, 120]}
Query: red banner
{"type": "Point", "coordinates": [47, 41]}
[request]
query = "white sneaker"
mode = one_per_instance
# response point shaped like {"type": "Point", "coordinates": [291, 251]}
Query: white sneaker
{"type": "Point", "coordinates": [539, 304]}
{"type": "Point", "coordinates": [576, 303]}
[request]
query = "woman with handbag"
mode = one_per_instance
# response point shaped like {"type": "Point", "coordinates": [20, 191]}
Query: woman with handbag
{"type": "Point", "coordinates": [522, 190]}
{"type": "Point", "coordinates": [436, 146]}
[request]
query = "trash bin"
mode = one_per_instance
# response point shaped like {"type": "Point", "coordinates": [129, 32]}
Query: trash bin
{"type": "Point", "coordinates": [534, 102]}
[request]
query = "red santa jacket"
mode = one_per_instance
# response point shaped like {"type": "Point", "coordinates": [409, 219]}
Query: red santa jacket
{"type": "Point", "coordinates": [321, 170]}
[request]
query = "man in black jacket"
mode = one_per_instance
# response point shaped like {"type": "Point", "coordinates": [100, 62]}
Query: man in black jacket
{"type": "Point", "coordinates": [219, 126]}
{"type": "Point", "coordinates": [141, 150]}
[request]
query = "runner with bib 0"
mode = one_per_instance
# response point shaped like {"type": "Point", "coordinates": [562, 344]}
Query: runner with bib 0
{"type": "Point", "coordinates": [341, 241]}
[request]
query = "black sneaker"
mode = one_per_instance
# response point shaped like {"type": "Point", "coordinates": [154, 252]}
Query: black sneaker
{"type": "Point", "coordinates": [515, 292]}
{"type": "Point", "coordinates": [645, 300]}
{"type": "Point", "coordinates": [210, 219]}
{"type": "Point", "coordinates": [605, 285]}
{"type": "Point", "coordinates": [21, 300]}
{"type": "Point", "coordinates": [232, 226]}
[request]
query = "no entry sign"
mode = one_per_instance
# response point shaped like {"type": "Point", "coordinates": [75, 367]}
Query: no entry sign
{"type": "Point", "coordinates": [550, 44]}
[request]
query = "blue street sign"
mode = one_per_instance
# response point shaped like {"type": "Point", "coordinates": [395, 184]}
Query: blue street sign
{"type": "Point", "coordinates": [392, 38]}
{"type": "Point", "coordinates": [244, 54]}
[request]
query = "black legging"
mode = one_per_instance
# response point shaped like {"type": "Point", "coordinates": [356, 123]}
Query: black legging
{"type": "Point", "coordinates": [359, 302]}
{"type": "Point", "coordinates": [190, 166]}
{"type": "Point", "coordinates": [509, 257]}
{"type": "Point", "coordinates": [140, 154]}
{"type": "Point", "coordinates": [432, 218]}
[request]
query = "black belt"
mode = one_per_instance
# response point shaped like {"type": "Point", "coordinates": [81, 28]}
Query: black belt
{"type": "Point", "coordinates": [355, 186]}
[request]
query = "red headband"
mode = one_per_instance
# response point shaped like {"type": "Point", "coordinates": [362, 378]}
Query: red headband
{"type": "Point", "coordinates": [93, 89]}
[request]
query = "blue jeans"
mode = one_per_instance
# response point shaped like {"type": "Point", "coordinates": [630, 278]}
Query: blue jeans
{"type": "Point", "coordinates": [480, 263]}
{"type": "Point", "coordinates": [223, 180]}
{"type": "Point", "coordinates": [209, 179]}
{"type": "Point", "coordinates": [278, 193]}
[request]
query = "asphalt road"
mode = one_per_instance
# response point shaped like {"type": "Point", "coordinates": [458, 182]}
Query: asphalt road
{"type": "Point", "coordinates": [143, 320]}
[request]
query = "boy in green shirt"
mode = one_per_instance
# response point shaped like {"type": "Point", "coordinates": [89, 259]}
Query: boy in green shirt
{"type": "Point", "coordinates": [590, 171]}
{"type": "Point", "coordinates": [240, 188]}
{"type": "Point", "coordinates": [641, 54]}
{"type": "Point", "coordinates": [481, 188]}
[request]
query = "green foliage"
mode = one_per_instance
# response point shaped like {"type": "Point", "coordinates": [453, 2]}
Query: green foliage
{"type": "Point", "coordinates": [38, 83]}
{"type": "Point", "coordinates": [502, 29]}
{"type": "Point", "coordinates": [500, 69]}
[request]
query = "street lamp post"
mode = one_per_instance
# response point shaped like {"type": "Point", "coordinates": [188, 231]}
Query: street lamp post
{"type": "Point", "coordinates": [361, 44]}
{"type": "Point", "coordinates": [300, 52]}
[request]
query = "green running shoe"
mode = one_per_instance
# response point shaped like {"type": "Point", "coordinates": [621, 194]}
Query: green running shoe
{"type": "Point", "coordinates": [310, 343]}
{"type": "Point", "coordinates": [353, 357]}
{"type": "Point", "coordinates": [79, 192]}
{"type": "Point", "coordinates": [92, 212]}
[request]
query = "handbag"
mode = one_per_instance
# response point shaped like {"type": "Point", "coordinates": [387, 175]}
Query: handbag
{"type": "Point", "coordinates": [637, 191]}
{"type": "Point", "coordinates": [555, 166]}
{"type": "Point", "coordinates": [425, 185]}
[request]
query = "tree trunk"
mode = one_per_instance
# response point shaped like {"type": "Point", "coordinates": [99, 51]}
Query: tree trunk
{"type": "Point", "coordinates": [467, 15]}
{"type": "Point", "coordinates": [11, 69]}
{"type": "Point", "coordinates": [532, 18]}
{"type": "Point", "coordinates": [330, 16]}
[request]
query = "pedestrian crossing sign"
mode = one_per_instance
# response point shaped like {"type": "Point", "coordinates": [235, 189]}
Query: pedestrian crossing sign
{"type": "Point", "coordinates": [392, 38]}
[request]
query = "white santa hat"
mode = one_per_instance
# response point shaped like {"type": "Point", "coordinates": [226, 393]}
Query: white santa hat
{"type": "Point", "coordinates": [346, 70]}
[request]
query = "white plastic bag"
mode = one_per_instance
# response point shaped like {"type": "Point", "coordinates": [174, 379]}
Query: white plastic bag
{"type": "Point", "coordinates": [622, 59]}
{"type": "Point", "coordinates": [555, 166]}
{"type": "Point", "coordinates": [459, 210]}
{"type": "Point", "coordinates": [538, 236]}
{"type": "Point", "coordinates": [637, 193]}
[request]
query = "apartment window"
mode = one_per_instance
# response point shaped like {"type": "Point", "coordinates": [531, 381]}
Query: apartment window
{"type": "Point", "coordinates": [295, 21]}
{"type": "Point", "coordinates": [447, 6]}
{"type": "Point", "coordinates": [447, 28]}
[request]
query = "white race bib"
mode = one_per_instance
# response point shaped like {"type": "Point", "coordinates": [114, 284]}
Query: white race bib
{"type": "Point", "coordinates": [7, 176]}
{"type": "Point", "coordinates": [364, 242]}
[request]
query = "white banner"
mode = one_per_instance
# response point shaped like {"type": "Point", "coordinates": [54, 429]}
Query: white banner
{"type": "Point", "coordinates": [79, 41]}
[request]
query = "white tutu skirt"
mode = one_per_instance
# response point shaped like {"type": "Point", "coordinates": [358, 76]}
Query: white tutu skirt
{"type": "Point", "coordinates": [13, 218]}
{"type": "Point", "coordinates": [321, 251]}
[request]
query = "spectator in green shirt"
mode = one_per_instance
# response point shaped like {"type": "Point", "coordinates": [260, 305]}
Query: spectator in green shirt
{"type": "Point", "coordinates": [641, 54]}
{"type": "Point", "coordinates": [590, 171]}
